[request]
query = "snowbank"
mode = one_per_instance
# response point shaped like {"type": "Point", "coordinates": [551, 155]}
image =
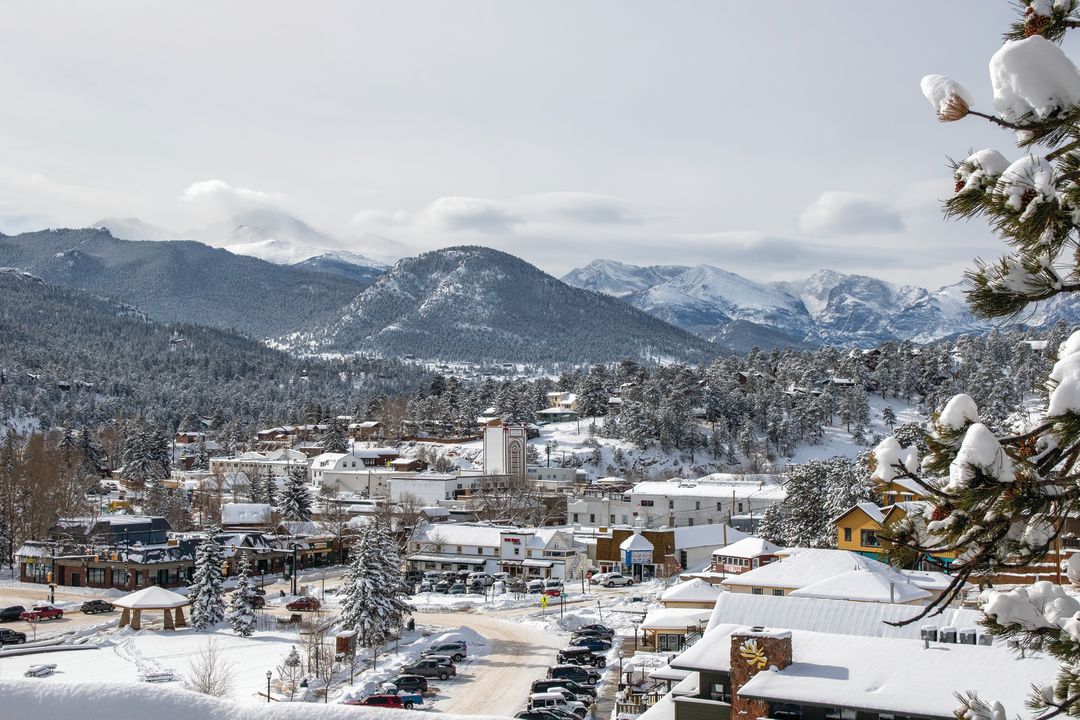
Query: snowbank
{"type": "Point", "coordinates": [52, 699]}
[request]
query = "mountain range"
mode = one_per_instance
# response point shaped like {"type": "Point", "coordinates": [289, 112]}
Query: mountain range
{"type": "Point", "coordinates": [469, 303]}
{"type": "Point", "coordinates": [827, 308]}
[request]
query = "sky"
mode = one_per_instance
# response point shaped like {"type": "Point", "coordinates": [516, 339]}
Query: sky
{"type": "Point", "coordinates": [768, 139]}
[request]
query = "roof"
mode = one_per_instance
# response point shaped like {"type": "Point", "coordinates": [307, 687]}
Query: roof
{"type": "Point", "coordinates": [637, 541]}
{"type": "Point", "coordinates": [153, 597]}
{"type": "Point", "coordinates": [871, 510]}
{"type": "Point", "coordinates": [461, 534]}
{"type": "Point", "coordinates": [840, 617]}
{"type": "Point", "coordinates": [556, 411]}
{"type": "Point", "coordinates": [245, 513]}
{"type": "Point", "coordinates": [864, 586]}
{"type": "Point", "coordinates": [838, 670]}
{"type": "Point", "coordinates": [675, 618]}
{"type": "Point", "coordinates": [706, 536]}
{"type": "Point", "coordinates": [748, 547]}
{"type": "Point", "coordinates": [908, 484]}
{"type": "Point", "coordinates": [327, 460]}
{"type": "Point", "coordinates": [717, 485]}
{"type": "Point", "coordinates": [695, 590]}
{"type": "Point", "coordinates": [806, 566]}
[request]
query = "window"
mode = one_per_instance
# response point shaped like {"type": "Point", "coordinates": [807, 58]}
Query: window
{"type": "Point", "coordinates": [847, 534]}
{"type": "Point", "coordinates": [670, 504]}
{"type": "Point", "coordinates": [690, 522]}
{"type": "Point", "coordinates": [119, 577]}
{"type": "Point", "coordinates": [868, 538]}
{"type": "Point", "coordinates": [95, 576]}
{"type": "Point", "coordinates": [575, 517]}
{"type": "Point", "coordinates": [517, 550]}
{"type": "Point", "coordinates": [757, 591]}
{"type": "Point", "coordinates": [646, 503]}
{"type": "Point", "coordinates": [740, 507]}
{"type": "Point", "coordinates": [697, 504]}
{"type": "Point", "coordinates": [719, 506]}
{"type": "Point", "coordinates": [612, 520]}
{"type": "Point", "coordinates": [459, 549]}
{"type": "Point", "coordinates": [710, 521]}
{"type": "Point", "coordinates": [778, 592]}
{"type": "Point", "coordinates": [592, 518]}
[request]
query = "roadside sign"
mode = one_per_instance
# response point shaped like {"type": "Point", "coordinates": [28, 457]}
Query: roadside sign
{"type": "Point", "coordinates": [543, 601]}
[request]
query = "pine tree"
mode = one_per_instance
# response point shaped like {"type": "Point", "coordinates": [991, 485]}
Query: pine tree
{"type": "Point", "coordinates": [336, 437]}
{"type": "Point", "coordinates": [1001, 501]}
{"type": "Point", "coordinates": [207, 591]}
{"type": "Point", "coordinates": [296, 499]}
{"type": "Point", "coordinates": [242, 603]}
{"type": "Point", "coordinates": [373, 592]}
{"type": "Point", "coordinates": [201, 460]}
{"type": "Point", "coordinates": [270, 488]}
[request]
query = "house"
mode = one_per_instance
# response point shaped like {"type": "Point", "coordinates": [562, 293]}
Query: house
{"type": "Point", "coordinates": [860, 530]}
{"type": "Point", "coordinates": [554, 415]}
{"type": "Point", "coordinates": [694, 593]}
{"type": "Point", "coordinates": [672, 629]}
{"type": "Point", "coordinates": [711, 499]}
{"type": "Point", "coordinates": [347, 472]}
{"type": "Point", "coordinates": [562, 400]}
{"type": "Point", "coordinates": [246, 516]}
{"type": "Point", "coordinates": [740, 671]}
{"type": "Point", "coordinates": [407, 465]}
{"type": "Point", "coordinates": [366, 430]}
{"type": "Point", "coordinates": [744, 555]}
{"type": "Point", "coordinates": [526, 552]}
{"type": "Point", "coordinates": [248, 465]}
{"type": "Point", "coordinates": [838, 574]}
{"type": "Point", "coordinates": [673, 549]}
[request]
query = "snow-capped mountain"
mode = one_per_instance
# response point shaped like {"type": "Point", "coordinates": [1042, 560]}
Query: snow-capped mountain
{"type": "Point", "coordinates": [474, 303]}
{"type": "Point", "coordinates": [824, 309]}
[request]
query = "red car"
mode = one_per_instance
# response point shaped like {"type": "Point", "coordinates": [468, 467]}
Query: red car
{"type": "Point", "coordinates": [304, 603]}
{"type": "Point", "coordinates": [42, 612]}
{"type": "Point", "coordinates": [388, 701]}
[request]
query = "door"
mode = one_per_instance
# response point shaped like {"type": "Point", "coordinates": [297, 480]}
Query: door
{"type": "Point", "coordinates": [76, 580]}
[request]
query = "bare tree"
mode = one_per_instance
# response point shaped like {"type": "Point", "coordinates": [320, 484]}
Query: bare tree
{"type": "Point", "coordinates": [209, 672]}
{"type": "Point", "coordinates": [290, 672]}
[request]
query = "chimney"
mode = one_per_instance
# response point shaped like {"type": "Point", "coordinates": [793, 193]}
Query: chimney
{"type": "Point", "coordinates": [752, 651]}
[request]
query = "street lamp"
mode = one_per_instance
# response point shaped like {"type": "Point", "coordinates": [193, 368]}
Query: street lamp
{"type": "Point", "coordinates": [635, 635]}
{"type": "Point", "coordinates": [620, 683]}
{"type": "Point", "coordinates": [268, 674]}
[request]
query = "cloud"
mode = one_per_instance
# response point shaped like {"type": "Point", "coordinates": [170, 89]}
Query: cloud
{"type": "Point", "coordinates": [847, 213]}
{"type": "Point", "coordinates": [576, 207]}
{"type": "Point", "coordinates": [224, 196]}
{"type": "Point", "coordinates": [463, 214]}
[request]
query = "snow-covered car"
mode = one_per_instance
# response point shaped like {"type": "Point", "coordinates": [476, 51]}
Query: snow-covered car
{"type": "Point", "coordinates": [535, 586]}
{"type": "Point", "coordinates": [481, 577]}
{"type": "Point", "coordinates": [599, 578]}
{"type": "Point", "coordinates": [457, 589]}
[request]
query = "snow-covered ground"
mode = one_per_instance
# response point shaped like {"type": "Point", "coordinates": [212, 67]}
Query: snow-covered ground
{"type": "Point", "coordinates": [572, 441]}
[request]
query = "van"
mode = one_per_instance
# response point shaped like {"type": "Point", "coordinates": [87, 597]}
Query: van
{"type": "Point", "coordinates": [539, 701]}
{"type": "Point", "coordinates": [481, 577]}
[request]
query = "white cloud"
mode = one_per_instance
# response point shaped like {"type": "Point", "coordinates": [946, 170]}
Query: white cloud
{"type": "Point", "coordinates": [847, 213]}
{"type": "Point", "coordinates": [224, 196]}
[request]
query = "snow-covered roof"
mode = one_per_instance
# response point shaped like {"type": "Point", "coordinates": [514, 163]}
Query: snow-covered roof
{"type": "Point", "coordinates": [153, 597]}
{"type": "Point", "coordinates": [718, 485]}
{"type": "Point", "coordinates": [695, 590]}
{"type": "Point", "coordinates": [556, 411]}
{"type": "Point", "coordinates": [863, 586]}
{"type": "Point", "coordinates": [801, 567]}
{"type": "Point", "coordinates": [675, 618]}
{"type": "Point", "coordinates": [706, 536]}
{"type": "Point", "coordinates": [874, 512]}
{"type": "Point", "coordinates": [245, 513]}
{"type": "Point", "coordinates": [637, 541]}
{"type": "Point", "coordinates": [841, 617]}
{"type": "Point", "coordinates": [748, 547]}
{"type": "Point", "coordinates": [327, 460]}
{"type": "Point", "coordinates": [460, 534]}
{"type": "Point", "coordinates": [864, 672]}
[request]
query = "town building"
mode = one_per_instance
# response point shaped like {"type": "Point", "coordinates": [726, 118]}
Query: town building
{"type": "Point", "coordinates": [747, 554]}
{"type": "Point", "coordinates": [673, 550]}
{"type": "Point", "coordinates": [522, 552]}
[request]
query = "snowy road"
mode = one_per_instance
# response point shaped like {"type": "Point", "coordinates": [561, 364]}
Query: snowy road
{"type": "Point", "coordinates": [498, 682]}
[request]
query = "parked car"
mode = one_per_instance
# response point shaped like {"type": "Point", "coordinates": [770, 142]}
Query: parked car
{"type": "Point", "coordinates": [599, 578]}
{"type": "Point", "coordinates": [594, 643]}
{"type": "Point", "coordinates": [576, 655]}
{"type": "Point", "coordinates": [614, 579]}
{"type": "Point", "coordinates": [10, 637]}
{"type": "Point", "coordinates": [432, 576]}
{"type": "Point", "coordinates": [535, 586]}
{"type": "Point", "coordinates": [477, 588]}
{"type": "Point", "coordinates": [456, 650]}
{"type": "Point", "coordinates": [258, 602]}
{"type": "Point", "coordinates": [425, 586]}
{"type": "Point", "coordinates": [596, 628]}
{"type": "Point", "coordinates": [457, 589]}
{"type": "Point", "coordinates": [410, 683]}
{"type": "Point", "coordinates": [387, 701]}
{"type": "Point", "coordinates": [42, 612]}
{"type": "Point", "coordinates": [548, 713]}
{"type": "Point", "coordinates": [442, 587]}
{"type": "Point", "coordinates": [481, 577]}
{"type": "Point", "coordinates": [408, 699]}
{"type": "Point", "coordinates": [557, 700]}
{"type": "Point", "coordinates": [430, 667]}
{"type": "Point", "coordinates": [304, 603]}
{"type": "Point", "coordinates": [581, 691]}
{"type": "Point", "coordinates": [259, 590]}
{"type": "Point", "coordinates": [578, 674]}
{"type": "Point", "coordinates": [553, 583]}
{"type": "Point", "coordinates": [96, 606]}
{"type": "Point", "coordinates": [14, 612]}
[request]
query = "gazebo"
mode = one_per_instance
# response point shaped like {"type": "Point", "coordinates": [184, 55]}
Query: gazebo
{"type": "Point", "coordinates": [152, 598]}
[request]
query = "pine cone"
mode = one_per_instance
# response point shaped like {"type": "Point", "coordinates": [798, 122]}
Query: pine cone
{"type": "Point", "coordinates": [1026, 198]}
{"type": "Point", "coordinates": [959, 185]}
{"type": "Point", "coordinates": [941, 512]}
{"type": "Point", "coordinates": [953, 108]}
{"type": "Point", "coordinates": [1034, 24]}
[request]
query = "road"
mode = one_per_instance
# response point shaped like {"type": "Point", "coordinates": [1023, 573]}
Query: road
{"type": "Point", "coordinates": [498, 682]}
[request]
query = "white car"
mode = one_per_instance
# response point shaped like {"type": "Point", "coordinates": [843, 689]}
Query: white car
{"type": "Point", "coordinates": [598, 578]}
{"type": "Point", "coordinates": [614, 579]}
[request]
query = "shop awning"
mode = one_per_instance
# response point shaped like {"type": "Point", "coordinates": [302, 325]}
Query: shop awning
{"type": "Point", "coordinates": [448, 559]}
{"type": "Point", "coordinates": [537, 563]}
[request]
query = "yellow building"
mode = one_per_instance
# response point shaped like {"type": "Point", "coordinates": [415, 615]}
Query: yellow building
{"type": "Point", "coordinates": [859, 529]}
